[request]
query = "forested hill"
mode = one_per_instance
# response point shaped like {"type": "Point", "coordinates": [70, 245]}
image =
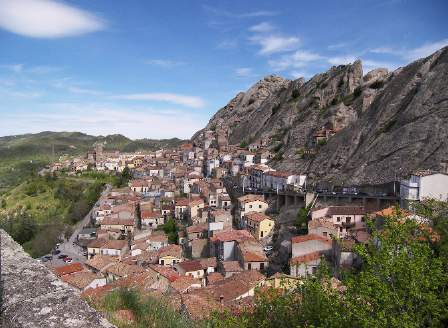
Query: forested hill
{"type": "Point", "coordinates": [22, 155]}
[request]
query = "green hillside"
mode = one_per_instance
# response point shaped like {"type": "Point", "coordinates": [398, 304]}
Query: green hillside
{"type": "Point", "coordinates": [21, 156]}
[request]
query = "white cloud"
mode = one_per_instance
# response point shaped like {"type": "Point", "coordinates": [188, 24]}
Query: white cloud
{"type": "Point", "coordinates": [368, 65]}
{"type": "Point", "coordinates": [274, 44]}
{"type": "Point", "coordinates": [299, 74]}
{"type": "Point", "coordinates": [412, 53]}
{"type": "Point", "coordinates": [425, 50]}
{"type": "Point", "coordinates": [165, 63]}
{"type": "Point", "coordinates": [103, 119]}
{"type": "Point", "coordinates": [262, 27]}
{"type": "Point", "coordinates": [16, 68]}
{"type": "Point", "coordinates": [188, 101]}
{"type": "Point", "coordinates": [298, 59]}
{"type": "Point", "coordinates": [227, 44]}
{"type": "Point", "coordinates": [46, 19]}
{"type": "Point", "coordinates": [243, 72]}
{"type": "Point", "coordinates": [342, 60]}
{"type": "Point", "coordinates": [251, 14]}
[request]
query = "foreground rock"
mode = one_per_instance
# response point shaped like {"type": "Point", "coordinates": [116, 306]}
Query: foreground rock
{"type": "Point", "coordinates": [32, 296]}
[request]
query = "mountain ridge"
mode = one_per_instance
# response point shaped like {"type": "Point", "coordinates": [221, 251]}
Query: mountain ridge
{"type": "Point", "coordinates": [376, 130]}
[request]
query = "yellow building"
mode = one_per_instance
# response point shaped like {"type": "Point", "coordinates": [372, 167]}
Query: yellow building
{"type": "Point", "coordinates": [258, 224]}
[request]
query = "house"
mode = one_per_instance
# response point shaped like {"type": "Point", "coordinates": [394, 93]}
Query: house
{"type": "Point", "coordinates": [99, 263]}
{"type": "Point", "coordinates": [94, 246]}
{"type": "Point", "coordinates": [114, 248]}
{"type": "Point", "coordinates": [251, 256]}
{"type": "Point", "coordinates": [250, 203]}
{"type": "Point", "coordinates": [190, 268]}
{"type": "Point", "coordinates": [336, 220]}
{"type": "Point", "coordinates": [186, 283]}
{"type": "Point", "coordinates": [170, 255]}
{"type": "Point", "coordinates": [256, 175]}
{"type": "Point", "coordinates": [194, 207]}
{"type": "Point", "coordinates": [139, 186]}
{"type": "Point", "coordinates": [223, 244]}
{"type": "Point", "coordinates": [84, 280]}
{"type": "Point", "coordinates": [180, 208]}
{"type": "Point", "coordinates": [424, 184]}
{"type": "Point", "coordinates": [121, 270]}
{"type": "Point", "coordinates": [157, 241]}
{"type": "Point", "coordinates": [229, 268]}
{"type": "Point", "coordinates": [258, 224]}
{"type": "Point", "coordinates": [236, 287]}
{"type": "Point", "coordinates": [282, 180]}
{"type": "Point", "coordinates": [306, 253]}
{"type": "Point", "coordinates": [124, 225]}
{"type": "Point", "coordinates": [197, 231]}
{"type": "Point", "coordinates": [219, 220]}
{"type": "Point", "coordinates": [87, 233]}
{"type": "Point", "coordinates": [209, 264]}
{"type": "Point", "coordinates": [68, 269]}
{"type": "Point", "coordinates": [152, 219]}
{"type": "Point", "coordinates": [305, 265]}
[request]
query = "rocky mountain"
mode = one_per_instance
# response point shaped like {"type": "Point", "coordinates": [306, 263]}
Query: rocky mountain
{"type": "Point", "coordinates": [346, 126]}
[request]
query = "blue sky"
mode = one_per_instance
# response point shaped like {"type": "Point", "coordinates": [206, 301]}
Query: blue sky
{"type": "Point", "coordinates": [161, 69]}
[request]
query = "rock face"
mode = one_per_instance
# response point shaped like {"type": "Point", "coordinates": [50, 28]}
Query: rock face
{"type": "Point", "coordinates": [32, 296]}
{"type": "Point", "coordinates": [376, 126]}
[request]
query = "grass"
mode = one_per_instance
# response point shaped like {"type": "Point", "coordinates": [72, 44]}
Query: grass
{"type": "Point", "coordinates": [40, 210]}
{"type": "Point", "coordinates": [147, 311]}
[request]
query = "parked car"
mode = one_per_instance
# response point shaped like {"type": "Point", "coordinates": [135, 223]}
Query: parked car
{"type": "Point", "coordinates": [56, 252]}
{"type": "Point", "coordinates": [62, 256]}
{"type": "Point", "coordinates": [48, 257]}
{"type": "Point", "coordinates": [57, 245]}
{"type": "Point", "coordinates": [67, 260]}
{"type": "Point", "coordinates": [268, 248]}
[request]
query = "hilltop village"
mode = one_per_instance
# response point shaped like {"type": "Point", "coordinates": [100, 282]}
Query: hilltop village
{"type": "Point", "coordinates": [204, 225]}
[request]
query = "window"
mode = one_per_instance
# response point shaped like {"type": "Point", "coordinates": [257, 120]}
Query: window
{"type": "Point", "coordinates": [249, 266]}
{"type": "Point", "coordinates": [338, 219]}
{"type": "Point", "coordinates": [250, 206]}
{"type": "Point", "coordinates": [259, 206]}
{"type": "Point", "coordinates": [340, 229]}
{"type": "Point", "coordinates": [261, 234]}
{"type": "Point", "coordinates": [261, 266]}
{"type": "Point", "coordinates": [314, 270]}
{"type": "Point", "coordinates": [325, 234]}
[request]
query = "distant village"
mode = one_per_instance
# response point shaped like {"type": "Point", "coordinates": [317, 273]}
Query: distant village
{"type": "Point", "coordinates": [228, 237]}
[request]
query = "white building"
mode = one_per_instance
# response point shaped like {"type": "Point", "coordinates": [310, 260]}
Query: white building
{"type": "Point", "coordinates": [424, 184]}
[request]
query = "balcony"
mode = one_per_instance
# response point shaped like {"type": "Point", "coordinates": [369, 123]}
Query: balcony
{"type": "Point", "coordinates": [348, 225]}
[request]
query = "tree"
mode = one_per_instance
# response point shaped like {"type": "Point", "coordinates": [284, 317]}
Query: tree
{"type": "Point", "coordinates": [170, 228]}
{"type": "Point", "coordinates": [302, 221]}
{"type": "Point", "coordinates": [402, 282]}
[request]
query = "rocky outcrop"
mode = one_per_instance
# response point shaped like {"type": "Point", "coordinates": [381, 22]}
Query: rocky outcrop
{"type": "Point", "coordinates": [377, 125]}
{"type": "Point", "coordinates": [32, 296]}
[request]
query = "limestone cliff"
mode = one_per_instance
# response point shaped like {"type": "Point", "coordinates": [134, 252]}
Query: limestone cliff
{"type": "Point", "coordinates": [32, 296]}
{"type": "Point", "coordinates": [344, 126]}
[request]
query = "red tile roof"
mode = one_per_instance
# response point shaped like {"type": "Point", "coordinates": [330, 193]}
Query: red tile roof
{"type": "Point", "coordinates": [189, 266]}
{"type": "Point", "coordinates": [68, 269]}
{"type": "Point", "coordinates": [257, 217]}
{"type": "Point", "coordinates": [305, 258]}
{"type": "Point", "coordinates": [302, 239]}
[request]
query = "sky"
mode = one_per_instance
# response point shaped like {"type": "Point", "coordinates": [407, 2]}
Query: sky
{"type": "Point", "coordinates": [161, 69]}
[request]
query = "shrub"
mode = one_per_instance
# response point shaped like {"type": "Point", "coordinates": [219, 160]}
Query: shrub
{"type": "Point", "coordinates": [295, 94]}
{"type": "Point", "coordinates": [377, 84]}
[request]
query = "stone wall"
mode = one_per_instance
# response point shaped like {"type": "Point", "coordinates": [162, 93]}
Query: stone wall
{"type": "Point", "coordinates": [32, 296]}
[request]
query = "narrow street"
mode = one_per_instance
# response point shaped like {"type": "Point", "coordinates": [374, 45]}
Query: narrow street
{"type": "Point", "coordinates": [69, 247]}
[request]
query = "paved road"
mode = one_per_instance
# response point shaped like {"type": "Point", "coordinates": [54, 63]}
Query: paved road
{"type": "Point", "coordinates": [69, 247]}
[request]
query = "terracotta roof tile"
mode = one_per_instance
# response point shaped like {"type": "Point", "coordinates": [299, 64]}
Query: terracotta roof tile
{"type": "Point", "coordinates": [68, 269]}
